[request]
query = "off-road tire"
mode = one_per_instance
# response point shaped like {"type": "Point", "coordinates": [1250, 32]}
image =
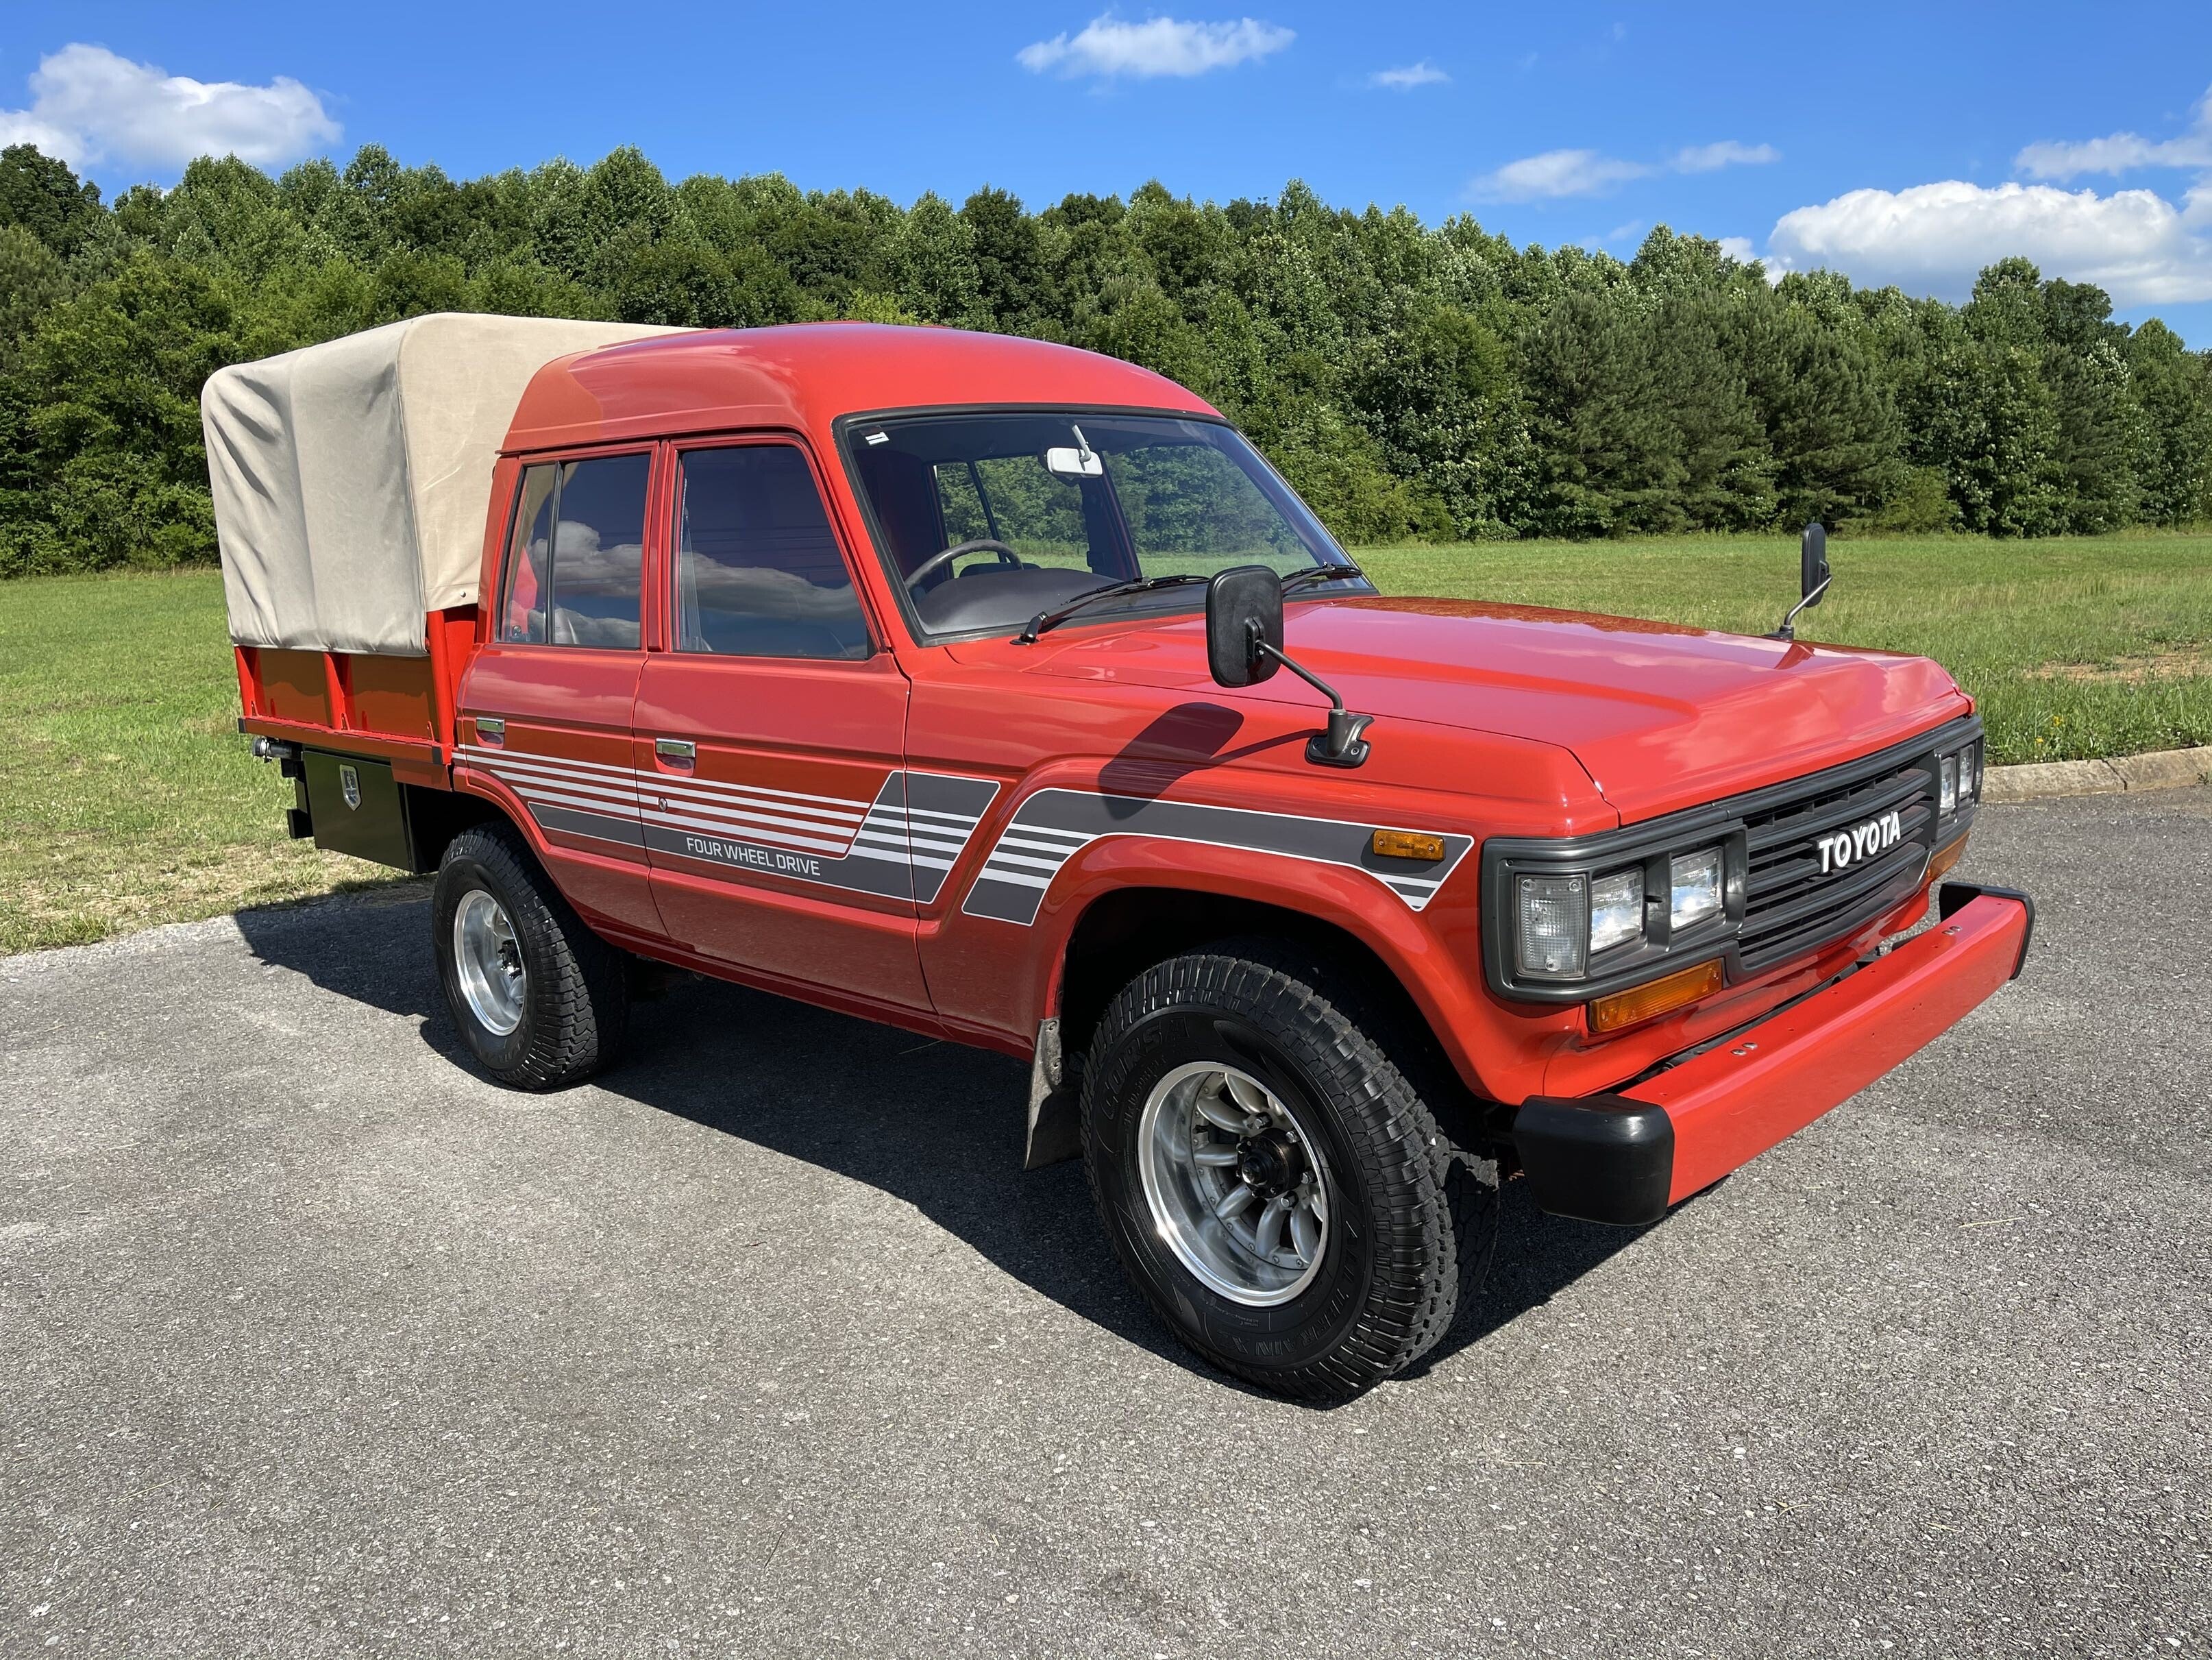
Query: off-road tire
{"type": "Point", "coordinates": [576, 1000]}
{"type": "Point", "coordinates": [1414, 1218]}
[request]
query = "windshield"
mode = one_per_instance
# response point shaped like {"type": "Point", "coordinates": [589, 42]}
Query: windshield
{"type": "Point", "coordinates": [988, 520]}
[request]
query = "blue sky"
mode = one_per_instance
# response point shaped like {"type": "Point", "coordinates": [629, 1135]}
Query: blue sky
{"type": "Point", "coordinates": [1900, 142]}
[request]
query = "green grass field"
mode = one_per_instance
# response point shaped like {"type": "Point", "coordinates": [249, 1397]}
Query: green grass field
{"type": "Point", "coordinates": [127, 796]}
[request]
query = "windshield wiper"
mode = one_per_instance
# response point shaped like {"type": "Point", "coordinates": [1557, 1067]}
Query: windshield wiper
{"type": "Point", "coordinates": [1343, 573]}
{"type": "Point", "coordinates": [1053, 619]}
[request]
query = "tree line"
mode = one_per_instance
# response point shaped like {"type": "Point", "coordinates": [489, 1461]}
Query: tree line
{"type": "Point", "coordinates": [1414, 383]}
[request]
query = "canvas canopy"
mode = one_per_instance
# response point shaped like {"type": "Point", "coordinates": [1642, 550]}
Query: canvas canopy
{"type": "Point", "coordinates": [351, 479]}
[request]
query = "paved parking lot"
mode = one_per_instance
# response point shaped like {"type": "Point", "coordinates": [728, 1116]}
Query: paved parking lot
{"type": "Point", "coordinates": [313, 1343]}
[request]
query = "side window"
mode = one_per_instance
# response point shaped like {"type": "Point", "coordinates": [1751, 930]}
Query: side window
{"type": "Point", "coordinates": [576, 565]}
{"type": "Point", "coordinates": [758, 573]}
{"type": "Point", "coordinates": [530, 559]}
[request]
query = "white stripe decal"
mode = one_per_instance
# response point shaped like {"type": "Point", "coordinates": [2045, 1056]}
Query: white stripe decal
{"type": "Point", "coordinates": [1053, 824]}
{"type": "Point", "coordinates": [1000, 856]}
{"type": "Point", "coordinates": [1017, 877]}
{"type": "Point", "coordinates": [730, 818]}
{"type": "Point", "coordinates": [793, 801]}
{"type": "Point", "coordinates": [748, 829]}
{"type": "Point", "coordinates": [1062, 849]}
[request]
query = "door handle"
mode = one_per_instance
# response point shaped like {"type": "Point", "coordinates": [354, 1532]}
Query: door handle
{"type": "Point", "coordinates": [490, 729]}
{"type": "Point", "coordinates": [681, 751]}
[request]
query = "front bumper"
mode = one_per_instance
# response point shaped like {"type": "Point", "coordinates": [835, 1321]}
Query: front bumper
{"type": "Point", "coordinates": [1624, 1157]}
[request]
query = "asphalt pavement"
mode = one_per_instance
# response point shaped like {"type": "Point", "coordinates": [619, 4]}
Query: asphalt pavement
{"type": "Point", "coordinates": [312, 1342]}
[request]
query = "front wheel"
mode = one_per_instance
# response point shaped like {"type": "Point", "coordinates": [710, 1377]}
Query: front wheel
{"type": "Point", "coordinates": [540, 1000]}
{"type": "Point", "coordinates": [1271, 1180]}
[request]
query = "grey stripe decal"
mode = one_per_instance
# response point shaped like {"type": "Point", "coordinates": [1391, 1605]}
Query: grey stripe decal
{"type": "Point", "coordinates": [596, 825]}
{"type": "Point", "coordinates": [903, 847]}
{"type": "Point", "coordinates": [1049, 828]}
{"type": "Point", "coordinates": [942, 813]}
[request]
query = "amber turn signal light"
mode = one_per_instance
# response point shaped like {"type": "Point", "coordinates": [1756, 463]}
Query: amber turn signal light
{"type": "Point", "coordinates": [1942, 864]}
{"type": "Point", "coordinates": [1407, 844]}
{"type": "Point", "coordinates": [1663, 996]}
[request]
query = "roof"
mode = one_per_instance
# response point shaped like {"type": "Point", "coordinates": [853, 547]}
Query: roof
{"type": "Point", "coordinates": [805, 375]}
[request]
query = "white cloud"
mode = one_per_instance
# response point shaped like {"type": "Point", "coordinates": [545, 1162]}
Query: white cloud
{"type": "Point", "coordinates": [1555, 173]}
{"type": "Point", "coordinates": [88, 105]}
{"type": "Point", "coordinates": [1711, 158]}
{"type": "Point", "coordinates": [1738, 248]}
{"type": "Point", "coordinates": [1933, 239]}
{"type": "Point", "coordinates": [1423, 73]}
{"type": "Point", "coordinates": [1586, 172]}
{"type": "Point", "coordinates": [1159, 46]}
{"type": "Point", "coordinates": [2121, 152]}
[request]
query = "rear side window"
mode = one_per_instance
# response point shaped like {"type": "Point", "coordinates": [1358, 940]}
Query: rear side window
{"type": "Point", "coordinates": [576, 564]}
{"type": "Point", "coordinates": [758, 571]}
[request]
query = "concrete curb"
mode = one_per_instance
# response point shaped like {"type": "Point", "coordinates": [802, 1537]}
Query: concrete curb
{"type": "Point", "coordinates": [2161, 769]}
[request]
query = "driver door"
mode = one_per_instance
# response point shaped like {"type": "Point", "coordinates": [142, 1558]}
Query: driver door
{"type": "Point", "coordinates": [770, 737]}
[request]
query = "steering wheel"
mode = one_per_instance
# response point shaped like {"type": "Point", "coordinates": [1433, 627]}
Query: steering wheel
{"type": "Point", "coordinates": [1007, 557]}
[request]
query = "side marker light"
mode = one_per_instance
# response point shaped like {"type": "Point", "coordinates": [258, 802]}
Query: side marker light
{"type": "Point", "coordinates": [1406, 844]}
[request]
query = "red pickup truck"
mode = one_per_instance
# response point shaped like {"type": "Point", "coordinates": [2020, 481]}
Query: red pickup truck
{"type": "Point", "coordinates": [1001, 691]}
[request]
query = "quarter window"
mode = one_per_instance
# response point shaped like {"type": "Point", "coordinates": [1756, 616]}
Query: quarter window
{"type": "Point", "coordinates": [575, 561]}
{"type": "Point", "coordinates": [758, 571]}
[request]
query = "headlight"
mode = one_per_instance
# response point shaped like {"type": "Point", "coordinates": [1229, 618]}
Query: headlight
{"type": "Point", "coordinates": [1970, 773]}
{"type": "Point", "coordinates": [1697, 882]}
{"type": "Point", "coordinates": [1616, 910]}
{"type": "Point", "coordinates": [1948, 770]}
{"type": "Point", "coordinates": [1554, 925]}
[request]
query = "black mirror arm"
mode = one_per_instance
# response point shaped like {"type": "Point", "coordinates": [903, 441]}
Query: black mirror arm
{"type": "Point", "coordinates": [1788, 628]}
{"type": "Point", "coordinates": [1340, 745]}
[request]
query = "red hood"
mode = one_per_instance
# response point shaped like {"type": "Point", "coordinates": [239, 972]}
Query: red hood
{"type": "Point", "coordinates": [1660, 716]}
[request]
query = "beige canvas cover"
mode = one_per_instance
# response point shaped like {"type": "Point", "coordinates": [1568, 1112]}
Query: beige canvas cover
{"type": "Point", "coordinates": [351, 479]}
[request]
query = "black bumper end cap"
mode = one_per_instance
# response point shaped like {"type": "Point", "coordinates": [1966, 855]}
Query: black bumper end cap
{"type": "Point", "coordinates": [1597, 1158]}
{"type": "Point", "coordinates": [1953, 897]}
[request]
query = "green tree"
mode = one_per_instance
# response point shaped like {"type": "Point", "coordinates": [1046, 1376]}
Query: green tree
{"type": "Point", "coordinates": [1413, 381]}
{"type": "Point", "coordinates": [1829, 415]}
{"type": "Point", "coordinates": [1609, 446]}
{"type": "Point", "coordinates": [105, 464]}
{"type": "Point", "coordinates": [1011, 281]}
{"type": "Point", "coordinates": [44, 196]}
{"type": "Point", "coordinates": [2173, 387]}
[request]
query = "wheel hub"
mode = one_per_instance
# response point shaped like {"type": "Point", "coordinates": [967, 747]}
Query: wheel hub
{"type": "Point", "coordinates": [1266, 1164]}
{"type": "Point", "coordinates": [487, 963]}
{"type": "Point", "coordinates": [1235, 1184]}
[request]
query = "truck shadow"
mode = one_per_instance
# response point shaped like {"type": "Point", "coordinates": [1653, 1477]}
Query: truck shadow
{"type": "Point", "coordinates": [932, 1123]}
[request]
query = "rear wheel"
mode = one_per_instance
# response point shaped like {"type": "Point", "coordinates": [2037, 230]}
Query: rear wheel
{"type": "Point", "coordinates": [540, 1000]}
{"type": "Point", "coordinates": [1271, 1178]}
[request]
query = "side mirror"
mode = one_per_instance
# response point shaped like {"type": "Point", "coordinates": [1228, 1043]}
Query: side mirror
{"type": "Point", "coordinates": [1243, 613]}
{"type": "Point", "coordinates": [1813, 576]}
{"type": "Point", "coordinates": [1812, 564]}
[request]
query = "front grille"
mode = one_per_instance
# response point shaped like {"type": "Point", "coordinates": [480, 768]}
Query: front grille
{"type": "Point", "coordinates": [1790, 906]}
